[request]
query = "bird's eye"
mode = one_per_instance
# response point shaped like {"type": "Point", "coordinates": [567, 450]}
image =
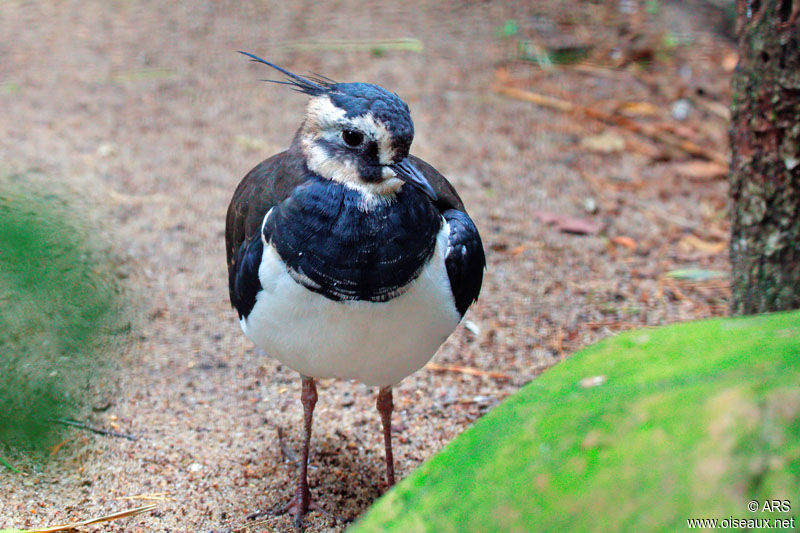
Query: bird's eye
{"type": "Point", "coordinates": [352, 137]}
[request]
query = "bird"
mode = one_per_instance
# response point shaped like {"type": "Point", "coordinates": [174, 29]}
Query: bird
{"type": "Point", "coordinates": [347, 256]}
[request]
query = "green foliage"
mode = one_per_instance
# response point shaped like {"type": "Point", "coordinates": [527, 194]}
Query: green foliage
{"type": "Point", "coordinates": [509, 29]}
{"type": "Point", "coordinates": [652, 7]}
{"type": "Point", "coordinates": [687, 421]}
{"type": "Point", "coordinates": [61, 317]}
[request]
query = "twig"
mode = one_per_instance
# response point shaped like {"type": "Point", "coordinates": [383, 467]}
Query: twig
{"type": "Point", "coordinates": [287, 453]}
{"type": "Point", "coordinates": [106, 518]}
{"type": "Point", "coordinates": [348, 45]}
{"type": "Point", "coordinates": [156, 496]}
{"type": "Point", "coordinates": [133, 199]}
{"type": "Point", "coordinates": [54, 449]}
{"type": "Point", "coordinates": [715, 108]}
{"type": "Point", "coordinates": [611, 324]}
{"type": "Point", "coordinates": [467, 370]}
{"type": "Point", "coordinates": [99, 431]}
{"type": "Point", "coordinates": [646, 130]}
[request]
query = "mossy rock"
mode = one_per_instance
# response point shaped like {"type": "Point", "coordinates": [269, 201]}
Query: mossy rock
{"type": "Point", "coordinates": [687, 421]}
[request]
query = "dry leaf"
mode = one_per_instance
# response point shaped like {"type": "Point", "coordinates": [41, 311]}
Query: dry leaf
{"type": "Point", "coordinates": [567, 224]}
{"type": "Point", "coordinates": [622, 240]}
{"type": "Point", "coordinates": [580, 226]}
{"type": "Point", "coordinates": [730, 61]}
{"type": "Point", "coordinates": [546, 216]}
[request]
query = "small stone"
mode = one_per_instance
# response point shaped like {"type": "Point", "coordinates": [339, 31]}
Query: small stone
{"type": "Point", "coordinates": [107, 150]}
{"type": "Point", "coordinates": [472, 327]}
{"type": "Point", "coordinates": [681, 108]}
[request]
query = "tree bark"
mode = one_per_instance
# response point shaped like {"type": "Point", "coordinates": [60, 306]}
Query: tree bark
{"type": "Point", "coordinates": [765, 170]}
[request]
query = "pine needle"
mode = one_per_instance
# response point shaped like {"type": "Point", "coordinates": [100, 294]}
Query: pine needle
{"type": "Point", "coordinates": [155, 496]}
{"type": "Point", "coordinates": [471, 371]}
{"type": "Point", "coordinates": [8, 465]}
{"type": "Point", "coordinates": [107, 518]}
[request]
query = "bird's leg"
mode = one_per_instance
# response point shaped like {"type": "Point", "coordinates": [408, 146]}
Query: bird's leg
{"type": "Point", "coordinates": [301, 501]}
{"type": "Point", "coordinates": [385, 406]}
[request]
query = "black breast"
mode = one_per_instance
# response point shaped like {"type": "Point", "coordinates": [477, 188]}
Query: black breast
{"type": "Point", "coordinates": [334, 246]}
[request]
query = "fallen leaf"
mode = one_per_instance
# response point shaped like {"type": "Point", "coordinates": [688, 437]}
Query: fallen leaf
{"type": "Point", "coordinates": [579, 226]}
{"type": "Point", "coordinates": [547, 217]}
{"type": "Point", "coordinates": [696, 274]}
{"type": "Point", "coordinates": [605, 143]}
{"type": "Point", "coordinates": [568, 224]}
{"type": "Point", "coordinates": [622, 240]}
{"type": "Point", "coordinates": [730, 61]}
{"type": "Point", "coordinates": [702, 170]}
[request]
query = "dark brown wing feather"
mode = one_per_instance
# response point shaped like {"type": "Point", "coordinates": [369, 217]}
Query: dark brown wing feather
{"type": "Point", "coordinates": [267, 185]}
{"type": "Point", "coordinates": [447, 197]}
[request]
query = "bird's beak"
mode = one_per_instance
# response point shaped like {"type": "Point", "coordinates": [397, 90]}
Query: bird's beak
{"type": "Point", "coordinates": [407, 172]}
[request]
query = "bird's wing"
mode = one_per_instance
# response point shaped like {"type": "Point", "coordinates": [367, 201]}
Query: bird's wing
{"type": "Point", "coordinates": [268, 184]}
{"type": "Point", "coordinates": [465, 259]}
{"type": "Point", "coordinates": [447, 197]}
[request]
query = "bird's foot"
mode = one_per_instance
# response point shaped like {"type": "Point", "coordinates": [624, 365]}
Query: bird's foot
{"type": "Point", "coordinates": [298, 506]}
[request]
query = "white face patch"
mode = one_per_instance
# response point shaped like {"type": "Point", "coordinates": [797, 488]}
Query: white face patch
{"type": "Point", "coordinates": [325, 120]}
{"type": "Point", "coordinates": [346, 173]}
{"type": "Point", "coordinates": [334, 169]}
{"type": "Point", "coordinates": [322, 115]}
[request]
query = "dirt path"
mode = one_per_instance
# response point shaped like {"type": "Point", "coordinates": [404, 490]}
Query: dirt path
{"type": "Point", "coordinates": [145, 109]}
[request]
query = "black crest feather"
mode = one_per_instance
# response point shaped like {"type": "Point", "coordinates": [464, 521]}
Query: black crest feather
{"type": "Point", "coordinates": [312, 85]}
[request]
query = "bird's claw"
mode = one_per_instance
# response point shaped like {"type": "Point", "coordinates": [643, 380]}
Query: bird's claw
{"type": "Point", "coordinates": [298, 507]}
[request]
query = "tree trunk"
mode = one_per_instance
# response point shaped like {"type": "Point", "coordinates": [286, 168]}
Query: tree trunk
{"type": "Point", "coordinates": [765, 171]}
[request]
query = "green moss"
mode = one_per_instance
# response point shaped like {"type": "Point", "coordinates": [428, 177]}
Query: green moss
{"type": "Point", "coordinates": [693, 420]}
{"type": "Point", "coordinates": [61, 315]}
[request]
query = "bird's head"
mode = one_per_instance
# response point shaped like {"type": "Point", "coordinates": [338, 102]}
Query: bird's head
{"type": "Point", "coordinates": [357, 134]}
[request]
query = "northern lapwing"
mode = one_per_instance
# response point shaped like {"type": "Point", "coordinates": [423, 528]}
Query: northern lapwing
{"type": "Point", "coordinates": [348, 257]}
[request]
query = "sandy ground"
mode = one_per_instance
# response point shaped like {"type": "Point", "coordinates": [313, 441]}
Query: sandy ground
{"type": "Point", "coordinates": [144, 109]}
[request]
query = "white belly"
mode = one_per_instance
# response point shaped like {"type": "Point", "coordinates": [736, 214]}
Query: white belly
{"type": "Point", "coordinates": [377, 343]}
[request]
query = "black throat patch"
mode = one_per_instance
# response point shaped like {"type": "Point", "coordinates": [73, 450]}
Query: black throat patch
{"type": "Point", "coordinates": [335, 247]}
